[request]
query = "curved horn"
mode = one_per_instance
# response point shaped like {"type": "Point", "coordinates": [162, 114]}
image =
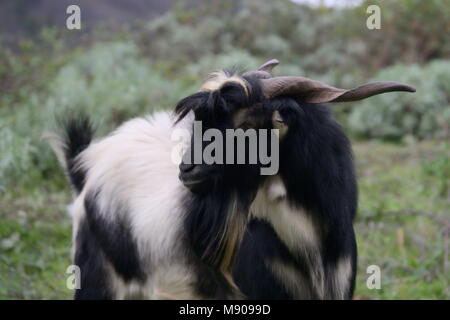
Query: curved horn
{"type": "Point", "coordinates": [264, 71]}
{"type": "Point", "coordinates": [313, 91]}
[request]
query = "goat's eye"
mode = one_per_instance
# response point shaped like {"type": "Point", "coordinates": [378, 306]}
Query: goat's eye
{"type": "Point", "coordinates": [277, 118]}
{"type": "Point", "coordinates": [247, 125]}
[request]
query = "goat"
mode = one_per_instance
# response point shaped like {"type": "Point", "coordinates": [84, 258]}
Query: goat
{"type": "Point", "coordinates": [145, 227]}
{"type": "Point", "coordinates": [300, 242]}
{"type": "Point", "coordinates": [138, 232]}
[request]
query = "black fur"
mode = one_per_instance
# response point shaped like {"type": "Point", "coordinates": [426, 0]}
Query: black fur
{"type": "Point", "coordinates": [100, 242]}
{"type": "Point", "coordinates": [204, 223]}
{"type": "Point", "coordinates": [78, 133]}
{"type": "Point", "coordinates": [216, 107]}
{"type": "Point", "coordinates": [210, 281]}
{"type": "Point", "coordinates": [251, 273]}
{"type": "Point", "coordinates": [91, 261]}
{"type": "Point", "coordinates": [316, 167]}
{"type": "Point", "coordinates": [115, 238]}
{"type": "Point", "coordinates": [207, 213]}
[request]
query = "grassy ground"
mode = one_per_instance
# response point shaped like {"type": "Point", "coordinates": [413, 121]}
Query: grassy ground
{"type": "Point", "coordinates": [400, 228]}
{"type": "Point", "coordinates": [402, 220]}
{"type": "Point", "coordinates": [34, 244]}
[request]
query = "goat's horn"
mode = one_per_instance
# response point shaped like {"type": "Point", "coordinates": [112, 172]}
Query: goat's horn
{"type": "Point", "coordinates": [313, 91]}
{"type": "Point", "coordinates": [264, 71]}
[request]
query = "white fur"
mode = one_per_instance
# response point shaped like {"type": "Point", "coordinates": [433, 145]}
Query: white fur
{"type": "Point", "coordinates": [217, 79]}
{"type": "Point", "coordinates": [341, 277]}
{"type": "Point", "coordinates": [293, 225]}
{"type": "Point", "coordinates": [133, 168]}
{"type": "Point", "coordinates": [296, 230]}
{"type": "Point", "coordinates": [290, 277]}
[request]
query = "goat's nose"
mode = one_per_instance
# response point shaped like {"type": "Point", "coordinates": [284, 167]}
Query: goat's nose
{"type": "Point", "coordinates": [186, 167]}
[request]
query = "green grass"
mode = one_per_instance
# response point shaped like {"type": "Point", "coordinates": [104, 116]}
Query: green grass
{"type": "Point", "coordinates": [400, 225]}
{"type": "Point", "coordinates": [396, 186]}
{"type": "Point", "coordinates": [34, 243]}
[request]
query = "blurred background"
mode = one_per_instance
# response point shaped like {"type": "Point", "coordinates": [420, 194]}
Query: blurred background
{"type": "Point", "coordinates": [133, 57]}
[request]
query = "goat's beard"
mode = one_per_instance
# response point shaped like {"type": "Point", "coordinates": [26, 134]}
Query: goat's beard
{"type": "Point", "coordinates": [215, 223]}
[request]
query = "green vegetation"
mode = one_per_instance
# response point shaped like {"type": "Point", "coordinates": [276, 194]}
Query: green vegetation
{"type": "Point", "coordinates": [402, 116]}
{"type": "Point", "coordinates": [403, 219]}
{"type": "Point", "coordinates": [399, 139]}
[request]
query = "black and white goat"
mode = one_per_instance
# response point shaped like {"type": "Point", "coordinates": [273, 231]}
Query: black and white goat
{"type": "Point", "coordinates": [145, 227]}
{"type": "Point", "coordinates": [138, 232]}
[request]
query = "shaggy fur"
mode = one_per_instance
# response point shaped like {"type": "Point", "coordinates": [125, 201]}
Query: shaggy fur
{"type": "Point", "coordinates": [300, 243]}
{"type": "Point", "coordinates": [138, 232]}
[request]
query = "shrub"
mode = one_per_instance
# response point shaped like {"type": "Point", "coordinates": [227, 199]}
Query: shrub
{"type": "Point", "coordinates": [15, 155]}
{"type": "Point", "coordinates": [425, 114]}
{"type": "Point", "coordinates": [110, 82]}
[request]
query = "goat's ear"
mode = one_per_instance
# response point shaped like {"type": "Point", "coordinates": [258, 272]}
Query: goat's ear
{"type": "Point", "coordinates": [190, 103]}
{"type": "Point", "coordinates": [264, 71]}
{"type": "Point", "coordinates": [313, 91]}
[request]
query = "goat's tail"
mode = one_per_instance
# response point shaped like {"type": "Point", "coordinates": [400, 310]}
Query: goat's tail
{"type": "Point", "coordinates": [78, 132]}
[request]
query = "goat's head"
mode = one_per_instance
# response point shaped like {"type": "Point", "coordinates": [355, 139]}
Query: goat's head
{"type": "Point", "coordinates": [255, 100]}
{"type": "Point", "coordinates": [232, 108]}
